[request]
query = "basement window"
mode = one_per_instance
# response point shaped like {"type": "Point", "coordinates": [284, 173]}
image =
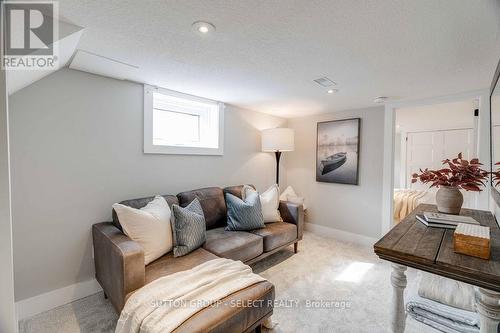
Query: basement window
{"type": "Point", "coordinates": [176, 123]}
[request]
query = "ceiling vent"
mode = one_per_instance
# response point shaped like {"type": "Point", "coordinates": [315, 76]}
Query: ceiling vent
{"type": "Point", "coordinates": [325, 82]}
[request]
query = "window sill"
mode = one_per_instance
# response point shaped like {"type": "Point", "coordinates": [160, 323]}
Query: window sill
{"type": "Point", "coordinates": [172, 150]}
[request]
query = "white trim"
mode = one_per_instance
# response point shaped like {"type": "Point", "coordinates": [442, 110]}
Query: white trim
{"type": "Point", "coordinates": [32, 306]}
{"type": "Point", "coordinates": [388, 172]}
{"type": "Point", "coordinates": [341, 235]}
{"type": "Point", "coordinates": [8, 322]}
{"type": "Point", "coordinates": [150, 148]}
{"type": "Point", "coordinates": [437, 100]}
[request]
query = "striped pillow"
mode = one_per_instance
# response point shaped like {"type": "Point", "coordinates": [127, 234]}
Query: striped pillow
{"type": "Point", "coordinates": [245, 214]}
{"type": "Point", "coordinates": [189, 229]}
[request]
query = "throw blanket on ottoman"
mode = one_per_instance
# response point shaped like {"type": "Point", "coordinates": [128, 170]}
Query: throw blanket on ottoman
{"type": "Point", "coordinates": [164, 304]}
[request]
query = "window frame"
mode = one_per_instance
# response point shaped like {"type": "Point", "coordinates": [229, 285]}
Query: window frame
{"type": "Point", "coordinates": [150, 148]}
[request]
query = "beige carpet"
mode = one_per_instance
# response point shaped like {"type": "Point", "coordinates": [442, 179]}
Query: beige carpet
{"type": "Point", "coordinates": [329, 286]}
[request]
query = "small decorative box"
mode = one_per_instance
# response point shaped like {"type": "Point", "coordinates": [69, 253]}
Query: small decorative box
{"type": "Point", "coordinates": [472, 240]}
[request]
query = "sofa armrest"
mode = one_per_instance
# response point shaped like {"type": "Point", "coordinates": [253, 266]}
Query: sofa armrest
{"type": "Point", "coordinates": [293, 213]}
{"type": "Point", "coordinates": [119, 263]}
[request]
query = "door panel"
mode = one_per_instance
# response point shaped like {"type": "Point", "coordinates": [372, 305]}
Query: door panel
{"type": "Point", "coordinates": [429, 149]}
{"type": "Point", "coordinates": [457, 141]}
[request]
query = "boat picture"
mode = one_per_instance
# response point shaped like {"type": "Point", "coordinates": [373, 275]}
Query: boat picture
{"type": "Point", "coordinates": [337, 148]}
{"type": "Point", "coordinates": [333, 162]}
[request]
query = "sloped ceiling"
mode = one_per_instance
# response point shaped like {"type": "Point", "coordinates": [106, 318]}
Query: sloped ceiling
{"type": "Point", "coordinates": [264, 55]}
{"type": "Point", "coordinates": [69, 36]}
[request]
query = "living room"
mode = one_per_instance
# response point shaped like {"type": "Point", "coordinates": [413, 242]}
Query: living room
{"type": "Point", "coordinates": [264, 143]}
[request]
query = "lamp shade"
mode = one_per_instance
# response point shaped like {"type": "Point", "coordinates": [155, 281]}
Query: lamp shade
{"type": "Point", "coordinates": [278, 139]}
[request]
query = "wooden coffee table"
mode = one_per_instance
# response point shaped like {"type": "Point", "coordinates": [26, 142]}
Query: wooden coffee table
{"type": "Point", "coordinates": [412, 244]}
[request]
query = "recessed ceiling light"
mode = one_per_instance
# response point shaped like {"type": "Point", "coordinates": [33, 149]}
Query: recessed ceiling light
{"type": "Point", "coordinates": [380, 99]}
{"type": "Point", "coordinates": [203, 28]}
{"type": "Point", "coordinates": [332, 91]}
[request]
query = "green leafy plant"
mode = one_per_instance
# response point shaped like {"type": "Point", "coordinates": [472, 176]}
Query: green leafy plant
{"type": "Point", "coordinates": [460, 173]}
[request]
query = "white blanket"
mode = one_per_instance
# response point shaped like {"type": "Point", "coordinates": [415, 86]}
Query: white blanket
{"type": "Point", "coordinates": [447, 291]}
{"type": "Point", "coordinates": [406, 200]}
{"type": "Point", "coordinates": [164, 304]}
{"type": "Point", "coordinates": [442, 317]}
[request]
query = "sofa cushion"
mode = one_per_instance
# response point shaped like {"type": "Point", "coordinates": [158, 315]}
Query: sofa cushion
{"type": "Point", "coordinates": [269, 202]}
{"type": "Point", "coordinates": [188, 228]}
{"type": "Point", "coordinates": [230, 314]}
{"type": "Point", "coordinates": [244, 215]}
{"type": "Point", "coordinates": [141, 202]}
{"type": "Point", "coordinates": [236, 245]}
{"type": "Point", "coordinates": [276, 234]}
{"type": "Point", "coordinates": [212, 202]}
{"type": "Point", "coordinates": [168, 264]}
{"type": "Point", "coordinates": [149, 226]}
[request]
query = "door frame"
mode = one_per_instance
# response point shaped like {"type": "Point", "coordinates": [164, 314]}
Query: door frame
{"type": "Point", "coordinates": [482, 144]}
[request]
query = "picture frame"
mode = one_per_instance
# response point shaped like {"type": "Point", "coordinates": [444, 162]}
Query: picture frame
{"type": "Point", "coordinates": [337, 151]}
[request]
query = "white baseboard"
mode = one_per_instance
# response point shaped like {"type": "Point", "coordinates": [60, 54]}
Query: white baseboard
{"type": "Point", "coordinates": [32, 306]}
{"type": "Point", "coordinates": [340, 234]}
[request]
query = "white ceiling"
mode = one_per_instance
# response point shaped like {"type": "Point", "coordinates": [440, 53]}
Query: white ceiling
{"type": "Point", "coordinates": [265, 54]}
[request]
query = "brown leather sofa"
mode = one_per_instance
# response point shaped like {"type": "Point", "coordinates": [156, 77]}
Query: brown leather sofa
{"type": "Point", "coordinates": [120, 268]}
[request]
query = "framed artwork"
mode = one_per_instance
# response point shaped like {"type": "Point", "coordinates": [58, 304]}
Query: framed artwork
{"type": "Point", "coordinates": [337, 151]}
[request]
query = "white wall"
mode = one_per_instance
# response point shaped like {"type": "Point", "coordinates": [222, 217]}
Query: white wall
{"type": "Point", "coordinates": [351, 208]}
{"type": "Point", "coordinates": [8, 323]}
{"type": "Point", "coordinates": [453, 115]}
{"type": "Point", "coordinates": [77, 142]}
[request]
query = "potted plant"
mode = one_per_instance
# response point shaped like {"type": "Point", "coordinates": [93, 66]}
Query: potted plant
{"type": "Point", "coordinates": [458, 174]}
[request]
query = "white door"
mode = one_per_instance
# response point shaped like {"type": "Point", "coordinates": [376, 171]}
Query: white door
{"type": "Point", "coordinates": [429, 149]}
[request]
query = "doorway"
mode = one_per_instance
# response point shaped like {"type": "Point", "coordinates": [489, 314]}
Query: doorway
{"type": "Point", "coordinates": [424, 137]}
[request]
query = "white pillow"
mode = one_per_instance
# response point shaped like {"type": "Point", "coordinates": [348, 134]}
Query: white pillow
{"type": "Point", "coordinates": [289, 195]}
{"type": "Point", "coordinates": [269, 201]}
{"type": "Point", "coordinates": [288, 191]}
{"type": "Point", "coordinates": [295, 199]}
{"type": "Point", "coordinates": [149, 226]}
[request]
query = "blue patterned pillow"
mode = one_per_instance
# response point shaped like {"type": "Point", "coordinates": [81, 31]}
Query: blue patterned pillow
{"type": "Point", "coordinates": [188, 228]}
{"type": "Point", "coordinates": [245, 214]}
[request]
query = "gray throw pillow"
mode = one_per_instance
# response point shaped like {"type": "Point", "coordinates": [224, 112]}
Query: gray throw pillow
{"type": "Point", "coordinates": [188, 228]}
{"type": "Point", "coordinates": [245, 214]}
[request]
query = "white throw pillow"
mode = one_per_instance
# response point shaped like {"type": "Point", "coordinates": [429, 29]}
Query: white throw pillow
{"type": "Point", "coordinates": [289, 194]}
{"type": "Point", "coordinates": [149, 226]}
{"type": "Point", "coordinates": [269, 201]}
{"type": "Point", "coordinates": [295, 199]}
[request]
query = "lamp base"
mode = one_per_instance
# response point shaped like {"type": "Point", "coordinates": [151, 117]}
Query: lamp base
{"type": "Point", "coordinates": [278, 156]}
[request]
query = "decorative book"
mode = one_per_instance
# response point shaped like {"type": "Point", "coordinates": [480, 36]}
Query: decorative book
{"type": "Point", "coordinates": [448, 218]}
{"type": "Point", "coordinates": [424, 221]}
{"type": "Point", "coordinates": [472, 240]}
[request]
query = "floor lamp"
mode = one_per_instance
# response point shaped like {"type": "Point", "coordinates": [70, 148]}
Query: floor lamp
{"type": "Point", "coordinates": [278, 140]}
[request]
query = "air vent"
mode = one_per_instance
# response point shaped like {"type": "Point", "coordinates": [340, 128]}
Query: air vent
{"type": "Point", "coordinates": [324, 82]}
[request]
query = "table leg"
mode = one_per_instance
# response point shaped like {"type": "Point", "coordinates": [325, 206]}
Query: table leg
{"type": "Point", "coordinates": [488, 307]}
{"type": "Point", "coordinates": [398, 281]}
